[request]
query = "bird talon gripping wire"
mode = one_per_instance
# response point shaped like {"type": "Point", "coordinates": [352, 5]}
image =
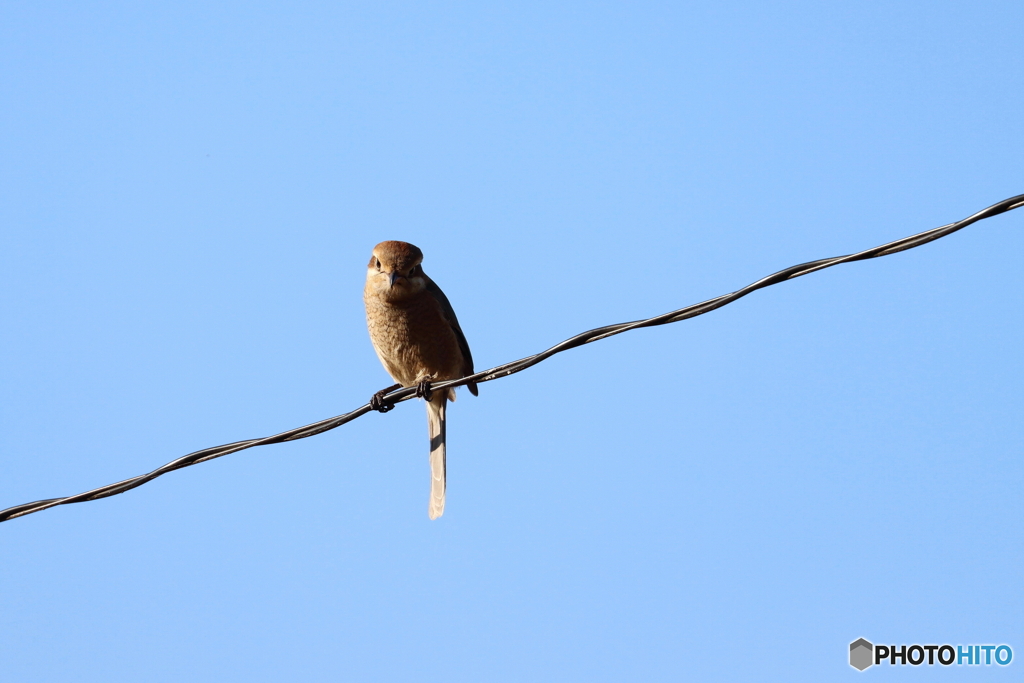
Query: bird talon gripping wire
{"type": "Point", "coordinates": [423, 390]}
{"type": "Point", "coordinates": [377, 401]}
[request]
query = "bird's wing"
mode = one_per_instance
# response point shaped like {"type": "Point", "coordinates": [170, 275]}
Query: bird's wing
{"type": "Point", "coordinates": [449, 314]}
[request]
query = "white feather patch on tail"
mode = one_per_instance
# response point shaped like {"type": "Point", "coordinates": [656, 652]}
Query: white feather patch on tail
{"type": "Point", "coordinates": [436, 426]}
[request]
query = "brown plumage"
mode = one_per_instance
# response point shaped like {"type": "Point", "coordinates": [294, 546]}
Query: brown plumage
{"type": "Point", "coordinates": [418, 339]}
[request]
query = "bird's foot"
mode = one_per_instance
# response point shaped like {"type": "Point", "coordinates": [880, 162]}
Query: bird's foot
{"type": "Point", "coordinates": [377, 400]}
{"type": "Point", "coordinates": [423, 390]}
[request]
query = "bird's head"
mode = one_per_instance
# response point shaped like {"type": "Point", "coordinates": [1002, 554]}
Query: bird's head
{"type": "Point", "coordinates": [394, 271]}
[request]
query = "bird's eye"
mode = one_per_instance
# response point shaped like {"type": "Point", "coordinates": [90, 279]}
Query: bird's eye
{"type": "Point", "coordinates": [412, 271]}
{"type": "Point", "coordinates": [378, 264]}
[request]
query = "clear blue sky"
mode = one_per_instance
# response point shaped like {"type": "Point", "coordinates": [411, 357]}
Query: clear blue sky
{"type": "Point", "coordinates": [189, 193]}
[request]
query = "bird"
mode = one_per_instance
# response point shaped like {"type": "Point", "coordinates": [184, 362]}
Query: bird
{"type": "Point", "coordinates": [418, 339]}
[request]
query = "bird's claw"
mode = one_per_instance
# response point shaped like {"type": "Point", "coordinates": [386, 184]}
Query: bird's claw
{"type": "Point", "coordinates": [377, 400]}
{"type": "Point", "coordinates": [423, 390]}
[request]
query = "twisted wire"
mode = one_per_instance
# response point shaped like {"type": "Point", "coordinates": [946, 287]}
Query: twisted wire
{"type": "Point", "coordinates": [404, 394]}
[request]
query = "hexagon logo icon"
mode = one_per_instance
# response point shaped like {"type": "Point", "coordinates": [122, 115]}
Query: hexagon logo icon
{"type": "Point", "coordinates": [861, 654]}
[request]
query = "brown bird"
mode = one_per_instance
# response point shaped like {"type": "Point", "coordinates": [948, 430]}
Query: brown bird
{"type": "Point", "coordinates": [418, 339]}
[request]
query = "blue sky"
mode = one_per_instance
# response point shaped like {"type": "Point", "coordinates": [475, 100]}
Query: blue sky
{"type": "Point", "coordinates": [190, 195]}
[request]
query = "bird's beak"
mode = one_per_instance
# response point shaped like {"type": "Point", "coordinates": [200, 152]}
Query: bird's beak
{"type": "Point", "coordinates": [392, 277]}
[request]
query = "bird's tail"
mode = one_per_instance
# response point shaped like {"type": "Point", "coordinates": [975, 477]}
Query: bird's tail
{"type": "Point", "coordinates": [435, 423]}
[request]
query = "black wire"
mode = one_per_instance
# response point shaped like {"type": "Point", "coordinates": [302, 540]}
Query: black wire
{"type": "Point", "coordinates": [507, 369]}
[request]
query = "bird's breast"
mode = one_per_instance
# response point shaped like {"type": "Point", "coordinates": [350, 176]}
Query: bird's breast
{"type": "Point", "coordinates": [413, 339]}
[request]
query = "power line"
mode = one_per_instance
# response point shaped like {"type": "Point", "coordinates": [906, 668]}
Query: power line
{"type": "Point", "coordinates": [507, 369]}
